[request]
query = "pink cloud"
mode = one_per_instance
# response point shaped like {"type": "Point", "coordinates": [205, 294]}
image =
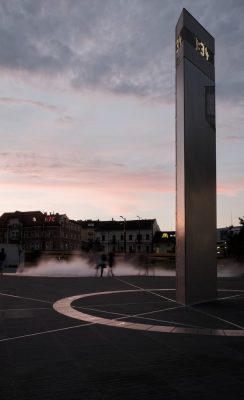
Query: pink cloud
{"type": "Point", "coordinates": [51, 172]}
{"type": "Point", "coordinates": [230, 188]}
{"type": "Point", "coordinates": [234, 137]}
{"type": "Point", "coordinates": [113, 182]}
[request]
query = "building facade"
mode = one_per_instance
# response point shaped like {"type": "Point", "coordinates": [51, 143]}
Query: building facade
{"type": "Point", "coordinates": [88, 234]}
{"type": "Point", "coordinates": [37, 231]}
{"type": "Point", "coordinates": [132, 236]}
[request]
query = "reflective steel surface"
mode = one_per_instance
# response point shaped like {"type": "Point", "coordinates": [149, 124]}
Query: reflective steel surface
{"type": "Point", "coordinates": [196, 265]}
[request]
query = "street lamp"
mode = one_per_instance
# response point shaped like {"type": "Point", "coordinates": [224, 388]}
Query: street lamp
{"type": "Point", "coordinates": [139, 234]}
{"type": "Point", "coordinates": [124, 233]}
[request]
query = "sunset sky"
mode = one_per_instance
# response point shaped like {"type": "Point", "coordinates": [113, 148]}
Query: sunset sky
{"type": "Point", "coordinates": [87, 106]}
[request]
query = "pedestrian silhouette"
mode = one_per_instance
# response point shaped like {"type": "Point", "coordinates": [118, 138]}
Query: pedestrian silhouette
{"type": "Point", "coordinates": [2, 258]}
{"type": "Point", "coordinates": [110, 263]}
{"type": "Point", "coordinates": [101, 264]}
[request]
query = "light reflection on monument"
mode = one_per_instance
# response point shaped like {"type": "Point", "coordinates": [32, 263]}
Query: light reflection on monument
{"type": "Point", "coordinates": [196, 269]}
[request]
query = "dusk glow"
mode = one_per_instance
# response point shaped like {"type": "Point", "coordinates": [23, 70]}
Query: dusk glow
{"type": "Point", "coordinates": [88, 111]}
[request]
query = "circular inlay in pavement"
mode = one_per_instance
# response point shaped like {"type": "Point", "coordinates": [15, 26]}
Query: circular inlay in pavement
{"type": "Point", "coordinates": [64, 306]}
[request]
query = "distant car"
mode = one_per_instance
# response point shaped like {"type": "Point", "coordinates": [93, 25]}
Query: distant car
{"type": "Point", "coordinates": [222, 249]}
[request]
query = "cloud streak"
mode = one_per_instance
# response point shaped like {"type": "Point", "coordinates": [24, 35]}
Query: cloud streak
{"type": "Point", "coordinates": [234, 137]}
{"type": "Point", "coordinates": [52, 172]}
{"type": "Point", "coordinates": [102, 174]}
{"type": "Point", "coordinates": [231, 187]}
{"type": "Point", "coordinates": [28, 102]}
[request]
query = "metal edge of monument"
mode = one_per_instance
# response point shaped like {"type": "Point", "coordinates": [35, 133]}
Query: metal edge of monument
{"type": "Point", "coordinates": [196, 259]}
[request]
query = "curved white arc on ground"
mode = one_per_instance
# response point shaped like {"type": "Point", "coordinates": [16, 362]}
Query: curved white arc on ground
{"type": "Point", "coordinates": [64, 307]}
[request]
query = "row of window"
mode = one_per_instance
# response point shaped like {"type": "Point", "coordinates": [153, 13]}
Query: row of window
{"type": "Point", "coordinates": [49, 246]}
{"type": "Point", "coordinates": [70, 226]}
{"type": "Point", "coordinates": [14, 235]}
{"type": "Point", "coordinates": [130, 237]}
{"type": "Point", "coordinates": [46, 234]}
{"type": "Point", "coordinates": [131, 249]}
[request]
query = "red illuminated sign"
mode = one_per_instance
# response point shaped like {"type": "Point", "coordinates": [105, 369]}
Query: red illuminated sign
{"type": "Point", "coordinates": [50, 218]}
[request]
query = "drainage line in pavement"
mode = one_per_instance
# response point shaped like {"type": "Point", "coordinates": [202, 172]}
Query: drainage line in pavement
{"type": "Point", "coordinates": [140, 316]}
{"type": "Point", "coordinates": [187, 306]}
{"type": "Point", "coordinates": [25, 298]}
{"type": "Point", "coordinates": [146, 290]}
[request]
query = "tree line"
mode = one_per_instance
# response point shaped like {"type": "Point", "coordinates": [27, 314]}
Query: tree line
{"type": "Point", "coordinates": [236, 242]}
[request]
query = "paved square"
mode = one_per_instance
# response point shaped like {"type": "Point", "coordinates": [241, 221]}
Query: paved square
{"type": "Point", "coordinates": [46, 354]}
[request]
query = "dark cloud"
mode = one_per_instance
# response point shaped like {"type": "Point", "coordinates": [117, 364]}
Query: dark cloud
{"type": "Point", "coordinates": [124, 46]}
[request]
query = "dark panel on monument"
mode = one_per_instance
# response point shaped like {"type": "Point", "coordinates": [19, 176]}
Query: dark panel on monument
{"type": "Point", "coordinates": [196, 264]}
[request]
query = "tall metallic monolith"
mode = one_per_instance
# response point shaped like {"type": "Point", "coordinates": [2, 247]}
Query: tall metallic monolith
{"type": "Point", "coordinates": [196, 264]}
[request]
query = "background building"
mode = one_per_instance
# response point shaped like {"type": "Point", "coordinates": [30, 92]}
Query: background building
{"type": "Point", "coordinates": [88, 234]}
{"type": "Point", "coordinates": [224, 234]}
{"type": "Point", "coordinates": [37, 231]}
{"type": "Point", "coordinates": [164, 243]}
{"type": "Point", "coordinates": [132, 236]}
